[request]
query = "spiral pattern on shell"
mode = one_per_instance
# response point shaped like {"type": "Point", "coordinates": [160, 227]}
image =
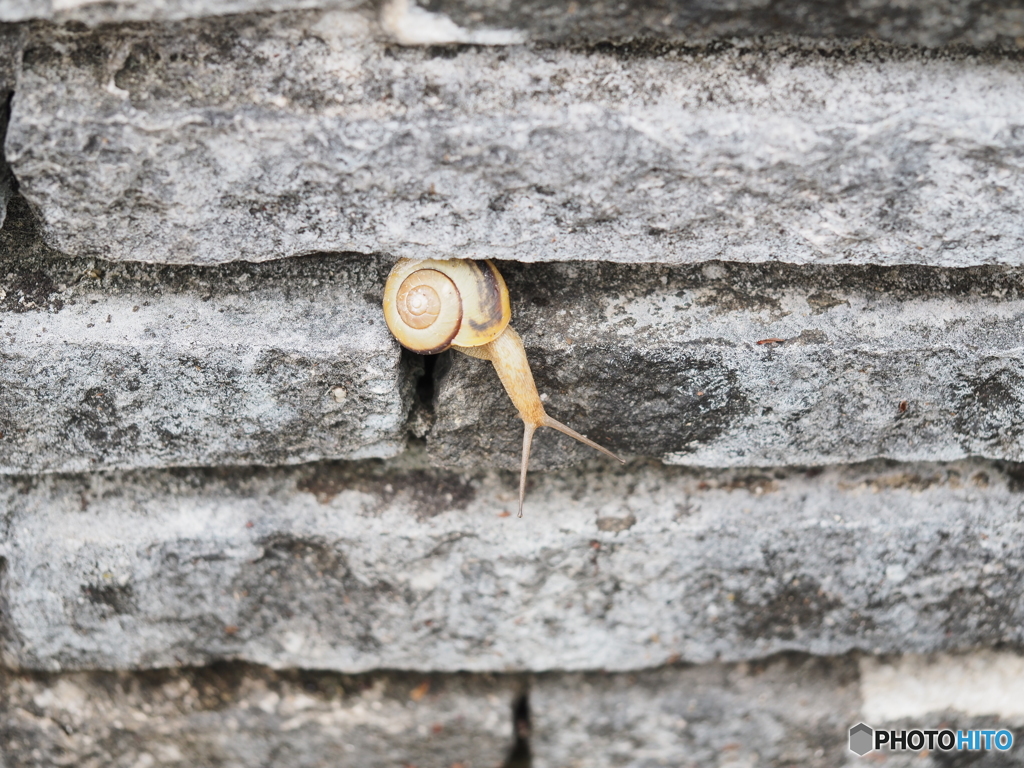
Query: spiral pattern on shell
{"type": "Point", "coordinates": [432, 304]}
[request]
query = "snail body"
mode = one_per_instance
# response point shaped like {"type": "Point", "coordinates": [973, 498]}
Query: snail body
{"type": "Point", "coordinates": [431, 305]}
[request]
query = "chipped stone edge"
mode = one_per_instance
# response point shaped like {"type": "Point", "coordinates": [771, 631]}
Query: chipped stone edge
{"type": "Point", "coordinates": [409, 24]}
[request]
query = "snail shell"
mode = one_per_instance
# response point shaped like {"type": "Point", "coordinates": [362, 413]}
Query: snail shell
{"type": "Point", "coordinates": [433, 304]}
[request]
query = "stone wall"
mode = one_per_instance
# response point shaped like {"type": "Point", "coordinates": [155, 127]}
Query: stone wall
{"type": "Point", "coordinates": [772, 253]}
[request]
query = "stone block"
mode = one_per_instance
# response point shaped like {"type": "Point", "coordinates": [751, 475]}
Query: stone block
{"type": "Point", "coordinates": [792, 710]}
{"type": "Point", "coordinates": [166, 143]}
{"type": "Point", "coordinates": [923, 22]}
{"type": "Point", "coordinates": [785, 710]}
{"type": "Point", "coordinates": [289, 362]}
{"type": "Point", "coordinates": [979, 684]}
{"type": "Point", "coordinates": [389, 565]}
{"type": "Point", "coordinates": [111, 365]}
{"type": "Point", "coordinates": [249, 717]}
{"type": "Point", "coordinates": [93, 13]}
{"type": "Point", "coordinates": [750, 365]}
{"type": "Point", "coordinates": [971, 23]}
{"type": "Point", "coordinates": [789, 709]}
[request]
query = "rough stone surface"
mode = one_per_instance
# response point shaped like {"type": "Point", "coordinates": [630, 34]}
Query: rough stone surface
{"type": "Point", "coordinates": [814, 136]}
{"type": "Point", "coordinates": [105, 365]}
{"type": "Point", "coordinates": [921, 22]}
{"type": "Point", "coordinates": [978, 684]}
{"type": "Point", "coordinates": [783, 711]}
{"type": "Point", "coordinates": [92, 12]}
{"type": "Point", "coordinates": [363, 566]}
{"type": "Point", "coordinates": [248, 717]}
{"type": "Point", "coordinates": [290, 361]}
{"type": "Point", "coordinates": [786, 710]}
{"type": "Point", "coordinates": [12, 37]}
{"type": "Point", "coordinates": [166, 144]}
{"type": "Point", "coordinates": [780, 712]}
{"type": "Point", "coordinates": [904, 363]}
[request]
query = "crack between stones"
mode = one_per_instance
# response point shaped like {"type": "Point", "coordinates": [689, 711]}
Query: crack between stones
{"type": "Point", "coordinates": [425, 373]}
{"type": "Point", "coordinates": [520, 755]}
{"type": "Point", "coordinates": [8, 181]}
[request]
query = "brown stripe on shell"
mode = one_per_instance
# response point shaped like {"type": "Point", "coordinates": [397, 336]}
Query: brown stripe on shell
{"type": "Point", "coordinates": [485, 309]}
{"type": "Point", "coordinates": [489, 295]}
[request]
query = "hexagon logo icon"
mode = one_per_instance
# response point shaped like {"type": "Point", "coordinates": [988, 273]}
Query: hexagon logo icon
{"type": "Point", "coordinates": [861, 736]}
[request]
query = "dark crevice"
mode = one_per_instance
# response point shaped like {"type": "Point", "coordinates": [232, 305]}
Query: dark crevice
{"type": "Point", "coordinates": [8, 183]}
{"type": "Point", "coordinates": [425, 384]}
{"type": "Point", "coordinates": [419, 380]}
{"type": "Point", "coordinates": [519, 756]}
{"type": "Point", "coordinates": [426, 372]}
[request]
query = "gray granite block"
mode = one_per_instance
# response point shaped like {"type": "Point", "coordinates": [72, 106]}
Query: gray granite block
{"type": "Point", "coordinates": [259, 137]}
{"type": "Point", "coordinates": [782, 711]}
{"type": "Point", "coordinates": [362, 566]}
{"type": "Point", "coordinates": [919, 22]}
{"type": "Point", "coordinates": [111, 365]}
{"type": "Point", "coordinates": [249, 717]}
{"type": "Point", "coordinates": [95, 13]}
{"type": "Point", "coordinates": [792, 710]}
{"type": "Point", "coordinates": [785, 710]}
{"type": "Point", "coordinates": [750, 365]}
{"type": "Point", "coordinates": [290, 361]}
{"type": "Point", "coordinates": [975, 23]}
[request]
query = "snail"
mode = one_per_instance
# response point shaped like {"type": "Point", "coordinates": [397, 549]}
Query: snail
{"type": "Point", "coordinates": [431, 305]}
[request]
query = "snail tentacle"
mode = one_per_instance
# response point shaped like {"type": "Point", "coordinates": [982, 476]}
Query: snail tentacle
{"type": "Point", "coordinates": [508, 355]}
{"type": "Point", "coordinates": [549, 422]}
{"type": "Point", "coordinates": [528, 430]}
